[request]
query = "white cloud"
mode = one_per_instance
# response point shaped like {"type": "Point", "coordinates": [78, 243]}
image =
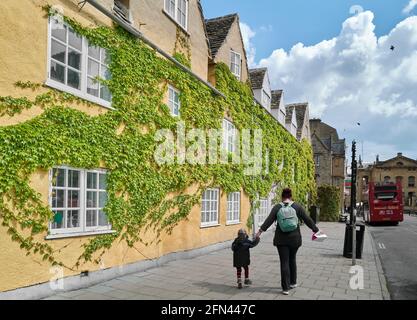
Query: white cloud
{"type": "Point", "coordinates": [356, 77]}
{"type": "Point", "coordinates": [248, 34]}
{"type": "Point", "coordinates": [410, 7]}
{"type": "Point", "coordinates": [266, 28]}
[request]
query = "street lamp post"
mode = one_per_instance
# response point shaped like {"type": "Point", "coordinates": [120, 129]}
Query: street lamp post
{"type": "Point", "coordinates": [353, 202]}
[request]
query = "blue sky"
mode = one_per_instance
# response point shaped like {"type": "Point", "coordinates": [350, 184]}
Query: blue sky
{"type": "Point", "coordinates": [283, 23]}
{"type": "Point", "coordinates": [340, 62]}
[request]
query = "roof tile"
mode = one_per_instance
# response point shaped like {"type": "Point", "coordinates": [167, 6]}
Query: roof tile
{"type": "Point", "coordinates": [257, 77]}
{"type": "Point", "coordinates": [217, 31]}
{"type": "Point", "coordinates": [276, 99]}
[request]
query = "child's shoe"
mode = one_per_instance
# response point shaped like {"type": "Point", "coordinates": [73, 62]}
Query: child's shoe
{"type": "Point", "coordinates": [248, 282]}
{"type": "Point", "coordinates": [239, 284]}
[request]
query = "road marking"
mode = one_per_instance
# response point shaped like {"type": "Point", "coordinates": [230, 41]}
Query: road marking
{"type": "Point", "coordinates": [381, 246]}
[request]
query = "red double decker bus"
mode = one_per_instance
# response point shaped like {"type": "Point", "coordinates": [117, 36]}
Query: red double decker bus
{"type": "Point", "coordinates": [385, 203]}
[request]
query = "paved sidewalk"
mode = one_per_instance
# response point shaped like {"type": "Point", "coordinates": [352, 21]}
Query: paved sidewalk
{"type": "Point", "coordinates": [323, 274]}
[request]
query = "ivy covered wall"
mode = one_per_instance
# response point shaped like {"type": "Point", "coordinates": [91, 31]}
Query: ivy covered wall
{"type": "Point", "coordinates": [123, 141]}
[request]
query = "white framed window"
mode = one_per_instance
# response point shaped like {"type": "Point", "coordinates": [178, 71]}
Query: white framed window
{"type": "Point", "coordinates": [121, 9]}
{"type": "Point", "coordinates": [233, 208]}
{"type": "Point", "coordinates": [174, 102]}
{"type": "Point", "coordinates": [98, 66]}
{"type": "Point", "coordinates": [229, 136]}
{"type": "Point", "coordinates": [74, 65]}
{"type": "Point", "coordinates": [262, 211]}
{"type": "Point", "coordinates": [236, 64]}
{"type": "Point", "coordinates": [77, 200]}
{"type": "Point", "coordinates": [210, 208]}
{"type": "Point", "coordinates": [178, 11]}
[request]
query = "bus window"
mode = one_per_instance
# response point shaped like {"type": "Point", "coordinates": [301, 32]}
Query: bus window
{"type": "Point", "coordinates": [386, 196]}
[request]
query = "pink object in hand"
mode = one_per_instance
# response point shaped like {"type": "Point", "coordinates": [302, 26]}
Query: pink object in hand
{"type": "Point", "coordinates": [319, 236]}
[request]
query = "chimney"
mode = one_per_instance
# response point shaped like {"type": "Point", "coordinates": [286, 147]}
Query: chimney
{"type": "Point", "coordinates": [400, 154]}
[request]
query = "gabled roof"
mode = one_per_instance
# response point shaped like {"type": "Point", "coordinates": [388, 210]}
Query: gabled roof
{"type": "Point", "coordinates": [324, 144]}
{"type": "Point", "coordinates": [200, 8]}
{"type": "Point", "coordinates": [300, 113]}
{"type": "Point", "coordinates": [276, 99]}
{"type": "Point", "coordinates": [217, 31]}
{"type": "Point", "coordinates": [257, 77]}
{"type": "Point", "coordinates": [324, 129]}
{"type": "Point", "coordinates": [289, 113]}
{"type": "Point", "coordinates": [399, 157]}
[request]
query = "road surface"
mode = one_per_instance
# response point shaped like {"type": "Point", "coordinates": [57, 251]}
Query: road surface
{"type": "Point", "coordinates": [397, 247]}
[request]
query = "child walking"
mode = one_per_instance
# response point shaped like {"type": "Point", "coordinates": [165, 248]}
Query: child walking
{"type": "Point", "coordinates": [241, 255]}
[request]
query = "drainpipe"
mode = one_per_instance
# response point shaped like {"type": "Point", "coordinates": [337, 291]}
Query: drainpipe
{"type": "Point", "coordinates": [140, 36]}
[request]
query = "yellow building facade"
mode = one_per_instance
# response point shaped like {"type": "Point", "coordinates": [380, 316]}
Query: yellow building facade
{"type": "Point", "coordinates": [32, 52]}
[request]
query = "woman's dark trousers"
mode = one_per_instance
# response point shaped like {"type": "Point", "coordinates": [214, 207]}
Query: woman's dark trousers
{"type": "Point", "coordinates": [287, 257]}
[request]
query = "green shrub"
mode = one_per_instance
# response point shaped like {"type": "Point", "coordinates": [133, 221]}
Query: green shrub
{"type": "Point", "coordinates": [328, 201]}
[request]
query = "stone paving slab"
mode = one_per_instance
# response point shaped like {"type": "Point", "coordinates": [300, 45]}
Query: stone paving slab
{"type": "Point", "coordinates": [323, 274]}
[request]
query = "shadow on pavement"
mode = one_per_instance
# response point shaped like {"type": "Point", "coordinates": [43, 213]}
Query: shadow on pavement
{"type": "Point", "coordinates": [332, 255]}
{"type": "Point", "coordinates": [223, 288]}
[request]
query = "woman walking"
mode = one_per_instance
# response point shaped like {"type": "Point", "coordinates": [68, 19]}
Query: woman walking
{"type": "Point", "coordinates": [287, 236]}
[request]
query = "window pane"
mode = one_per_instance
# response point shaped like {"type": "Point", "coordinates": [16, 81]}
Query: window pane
{"type": "Point", "coordinates": [58, 220]}
{"type": "Point", "coordinates": [171, 94]}
{"type": "Point", "coordinates": [73, 79]}
{"type": "Point", "coordinates": [91, 199]}
{"type": "Point", "coordinates": [74, 40]}
{"type": "Point", "coordinates": [102, 199]}
{"type": "Point", "coordinates": [176, 110]}
{"type": "Point", "coordinates": [94, 52]}
{"type": "Point", "coordinates": [102, 219]}
{"type": "Point", "coordinates": [74, 59]}
{"type": "Point", "coordinates": [91, 180]}
{"type": "Point", "coordinates": [57, 72]}
{"type": "Point", "coordinates": [73, 199]}
{"type": "Point", "coordinates": [91, 218]}
{"type": "Point", "coordinates": [103, 181]}
{"type": "Point", "coordinates": [73, 179]}
{"type": "Point", "coordinates": [58, 51]}
{"type": "Point", "coordinates": [58, 198]}
{"type": "Point", "coordinates": [105, 93]}
{"type": "Point", "coordinates": [59, 30]}
{"type": "Point", "coordinates": [105, 73]}
{"type": "Point", "coordinates": [93, 68]}
{"type": "Point", "coordinates": [73, 219]}
{"type": "Point", "coordinates": [176, 98]}
{"type": "Point", "coordinates": [58, 178]}
{"type": "Point", "coordinates": [171, 9]}
{"type": "Point", "coordinates": [105, 57]}
{"type": "Point", "coordinates": [92, 87]}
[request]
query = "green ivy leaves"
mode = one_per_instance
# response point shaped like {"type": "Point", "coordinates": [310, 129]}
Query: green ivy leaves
{"type": "Point", "coordinates": [137, 186]}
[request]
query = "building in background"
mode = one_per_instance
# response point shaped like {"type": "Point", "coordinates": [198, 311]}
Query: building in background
{"type": "Point", "coordinates": [302, 114]}
{"type": "Point", "coordinates": [291, 120]}
{"type": "Point", "coordinates": [261, 87]}
{"type": "Point", "coordinates": [278, 106]}
{"type": "Point", "coordinates": [399, 168]}
{"type": "Point", "coordinates": [329, 156]}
